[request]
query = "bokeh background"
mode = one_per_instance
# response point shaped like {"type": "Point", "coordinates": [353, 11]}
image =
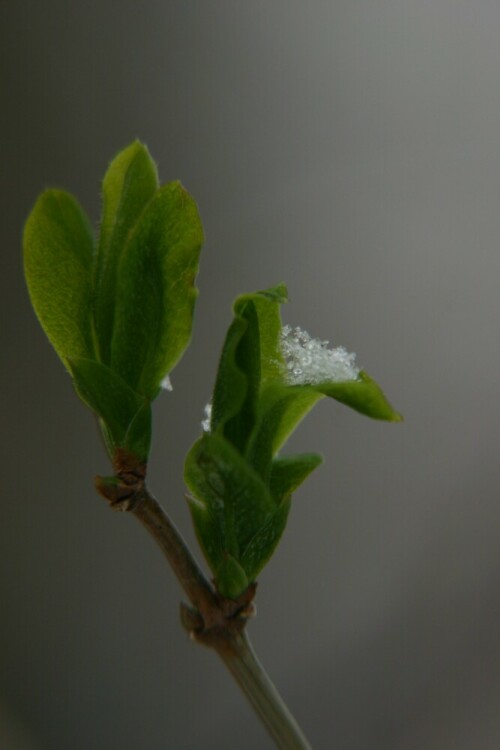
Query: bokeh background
{"type": "Point", "coordinates": [351, 149]}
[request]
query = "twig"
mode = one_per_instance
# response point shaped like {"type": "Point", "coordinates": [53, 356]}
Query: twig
{"type": "Point", "coordinates": [254, 681]}
{"type": "Point", "coordinates": [212, 620]}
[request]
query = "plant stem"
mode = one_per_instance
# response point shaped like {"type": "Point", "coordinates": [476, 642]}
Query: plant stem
{"type": "Point", "coordinates": [254, 681]}
{"type": "Point", "coordinates": [216, 622]}
{"type": "Point", "coordinates": [187, 571]}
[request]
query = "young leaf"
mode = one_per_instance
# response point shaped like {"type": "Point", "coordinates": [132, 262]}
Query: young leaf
{"type": "Point", "coordinates": [261, 547]}
{"type": "Point", "coordinates": [129, 184]}
{"type": "Point", "coordinates": [250, 357]}
{"type": "Point", "coordinates": [288, 473]}
{"type": "Point", "coordinates": [221, 479]}
{"type": "Point", "coordinates": [363, 395]}
{"type": "Point", "coordinates": [230, 578]}
{"type": "Point", "coordinates": [111, 399]}
{"type": "Point", "coordinates": [247, 361]}
{"type": "Point", "coordinates": [231, 386]}
{"type": "Point", "coordinates": [58, 250]}
{"type": "Point", "coordinates": [310, 363]}
{"type": "Point", "coordinates": [281, 408]}
{"type": "Point", "coordinates": [209, 526]}
{"type": "Point", "coordinates": [154, 310]}
{"type": "Point", "coordinates": [138, 436]}
{"type": "Point", "coordinates": [265, 307]}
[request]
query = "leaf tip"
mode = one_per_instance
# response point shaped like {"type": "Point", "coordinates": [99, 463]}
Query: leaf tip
{"type": "Point", "coordinates": [277, 293]}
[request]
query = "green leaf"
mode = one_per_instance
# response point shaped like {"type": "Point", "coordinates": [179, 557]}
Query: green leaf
{"type": "Point", "coordinates": [58, 251]}
{"type": "Point", "coordinates": [111, 399]}
{"type": "Point", "coordinates": [231, 579]}
{"type": "Point", "coordinates": [209, 525]}
{"type": "Point", "coordinates": [129, 184]}
{"type": "Point", "coordinates": [288, 473]}
{"type": "Point", "coordinates": [265, 310]}
{"type": "Point", "coordinates": [222, 480]}
{"type": "Point", "coordinates": [250, 357]}
{"type": "Point", "coordinates": [363, 395]}
{"type": "Point", "coordinates": [260, 549]}
{"type": "Point", "coordinates": [281, 408]}
{"type": "Point", "coordinates": [138, 436]}
{"type": "Point", "coordinates": [231, 386]}
{"type": "Point", "coordinates": [247, 361]}
{"type": "Point", "coordinates": [154, 310]}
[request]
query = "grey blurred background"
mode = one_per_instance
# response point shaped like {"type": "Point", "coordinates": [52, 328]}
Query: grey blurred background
{"type": "Point", "coordinates": [351, 149]}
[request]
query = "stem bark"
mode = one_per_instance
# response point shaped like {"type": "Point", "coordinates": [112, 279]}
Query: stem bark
{"type": "Point", "coordinates": [212, 620]}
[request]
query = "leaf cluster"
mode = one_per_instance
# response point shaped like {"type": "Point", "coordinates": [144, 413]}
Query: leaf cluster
{"type": "Point", "coordinates": [241, 486]}
{"type": "Point", "coordinates": [118, 310]}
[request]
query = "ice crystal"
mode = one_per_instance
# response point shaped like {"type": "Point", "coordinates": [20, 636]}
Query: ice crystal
{"type": "Point", "coordinates": [166, 384]}
{"type": "Point", "coordinates": [208, 416]}
{"type": "Point", "coordinates": [310, 361]}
